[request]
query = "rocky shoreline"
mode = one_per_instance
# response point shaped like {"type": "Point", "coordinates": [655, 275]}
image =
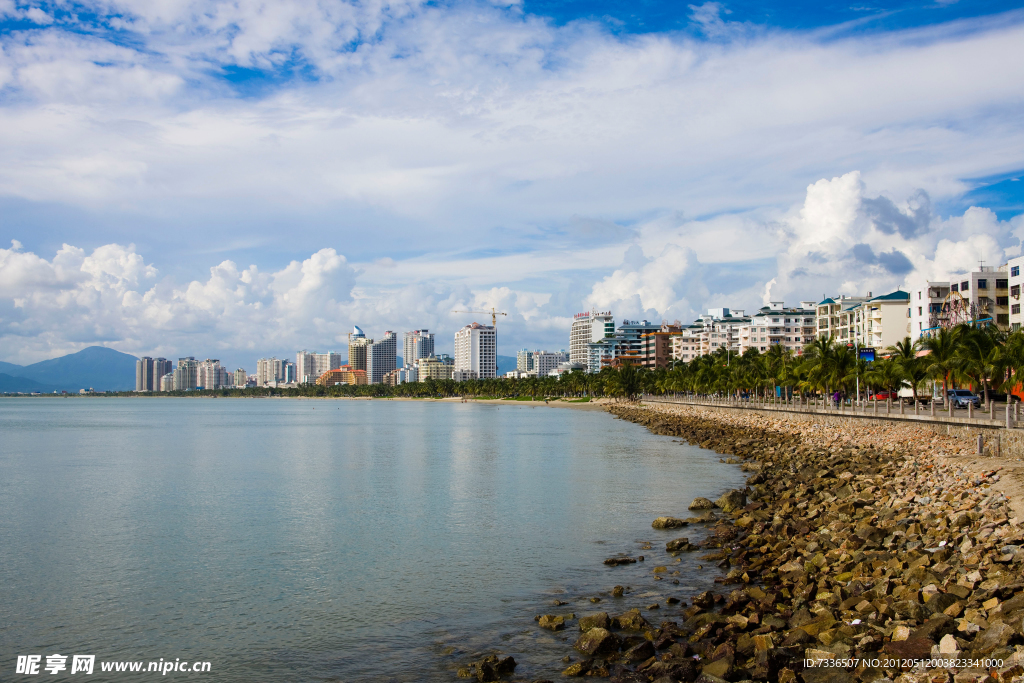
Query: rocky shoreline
{"type": "Point", "coordinates": [854, 554]}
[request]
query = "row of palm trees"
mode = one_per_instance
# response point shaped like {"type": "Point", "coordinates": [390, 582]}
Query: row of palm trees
{"type": "Point", "coordinates": [983, 358]}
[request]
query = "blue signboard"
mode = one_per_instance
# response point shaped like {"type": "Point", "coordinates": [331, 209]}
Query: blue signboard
{"type": "Point", "coordinates": [867, 354]}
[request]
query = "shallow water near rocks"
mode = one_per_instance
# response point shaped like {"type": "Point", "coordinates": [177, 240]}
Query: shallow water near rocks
{"type": "Point", "coordinates": [331, 540]}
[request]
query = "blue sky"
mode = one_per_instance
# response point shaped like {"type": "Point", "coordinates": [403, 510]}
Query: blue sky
{"type": "Point", "coordinates": [238, 179]}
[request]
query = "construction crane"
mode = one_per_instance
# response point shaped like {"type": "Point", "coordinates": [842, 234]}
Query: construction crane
{"type": "Point", "coordinates": [493, 313]}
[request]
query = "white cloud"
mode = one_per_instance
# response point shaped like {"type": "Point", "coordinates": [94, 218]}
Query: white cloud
{"type": "Point", "coordinates": [472, 155]}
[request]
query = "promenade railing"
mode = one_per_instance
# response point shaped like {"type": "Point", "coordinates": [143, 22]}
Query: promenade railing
{"type": "Point", "coordinates": [990, 416]}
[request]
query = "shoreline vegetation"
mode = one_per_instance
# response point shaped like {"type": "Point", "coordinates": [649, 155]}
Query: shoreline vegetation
{"type": "Point", "coordinates": [856, 552]}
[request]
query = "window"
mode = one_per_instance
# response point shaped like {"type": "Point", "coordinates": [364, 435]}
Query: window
{"type": "Point", "coordinates": [919, 312]}
{"type": "Point", "coordinates": [954, 287]}
{"type": "Point", "coordinates": [919, 327]}
{"type": "Point", "coordinates": [1015, 309]}
{"type": "Point", "coordinates": [1002, 301]}
{"type": "Point", "coordinates": [1003, 319]}
{"type": "Point", "coordinates": [982, 284]}
{"type": "Point", "coordinates": [965, 285]}
{"type": "Point", "coordinates": [1015, 291]}
{"type": "Point", "coordinates": [919, 296]}
{"type": "Point", "coordinates": [1001, 284]}
{"type": "Point", "coordinates": [1015, 271]}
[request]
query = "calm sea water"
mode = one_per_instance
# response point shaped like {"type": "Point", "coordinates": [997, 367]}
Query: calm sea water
{"type": "Point", "coordinates": [286, 540]}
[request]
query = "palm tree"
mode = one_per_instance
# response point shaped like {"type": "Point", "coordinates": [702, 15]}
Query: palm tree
{"type": "Point", "coordinates": [941, 361]}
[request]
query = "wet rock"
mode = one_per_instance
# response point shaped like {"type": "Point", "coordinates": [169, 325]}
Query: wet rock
{"type": "Point", "coordinates": [680, 545]}
{"type": "Point", "coordinates": [732, 500]}
{"type": "Point", "coordinates": [551, 622]}
{"type": "Point", "coordinates": [617, 592]}
{"type": "Point", "coordinates": [668, 523]}
{"type": "Point", "coordinates": [597, 642]}
{"type": "Point", "coordinates": [617, 561]}
{"type": "Point", "coordinates": [631, 621]}
{"type": "Point", "coordinates": [599, 620]}
{"type": "Point", "coordinates": [638, 653]}
{"type": "Point", "coordinates": [701, 504]}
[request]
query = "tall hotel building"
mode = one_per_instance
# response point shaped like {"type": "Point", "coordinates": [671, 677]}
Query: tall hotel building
{"type": "Point", "coordinates": [417, 344]}
{"type": "Point", "coordinates": [587, 328]}
{"type": "Point", "coordinates": [358, 345]}
{"type": "Point", "coordinates": [381, 357]}
{"type": "Point", "coordinates": [476, 351]}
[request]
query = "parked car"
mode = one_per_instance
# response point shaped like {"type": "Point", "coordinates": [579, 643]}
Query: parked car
{"type": "Point", "coordinates": [885, 395]}
{"type": "Point", "coordinates": [961, 397]}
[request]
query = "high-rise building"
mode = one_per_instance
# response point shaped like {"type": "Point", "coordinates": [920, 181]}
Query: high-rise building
{"type": "Point", "coordinates": [417, 344]}
{"type": "Point", "coordinates": [148, 372]}
{"type": "Point", "coordinates": [587, 328]}
{"type": "Point", "coordinates": [305, 367]}
{"type": "Point", "coordinates": [524, 360]}
{"type": "Point", "coordinates": [208, 374]}
{"type": "Point", "coordinates": [144, 374]}
{"type": "Point", "coordinates": [186, 375]}
{"type": "Point", "coordinates": [546, 361]}
{"type": "Point", "coordinates": [986, 296]}
{"type": "Point", "coordinates": [358, 345]}
{"type": "Point", "coordinates": [270, 371]}
{"type": "Point", "coordinates": [167, 382]}
{"type": "Point", "coordinates": [476, 351]}
{"type": "Point", "coordinates": [161, 367]}
{"type": "Point", "coordinates": [381, 357]}
{"type": "Point", "coordinates": [241, 379]}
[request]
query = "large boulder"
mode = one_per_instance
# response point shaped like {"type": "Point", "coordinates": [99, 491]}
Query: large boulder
{"type": "Point", "coordinates": [668, 523]}
{"type": "Point", "coordinates": [733, 500]}
{"type": "Point", "coordinates": [701, 504]}
{"type": "Point", "coordinates": [597, 642]}
{"type": "Point", "coordinates": [631, 621]}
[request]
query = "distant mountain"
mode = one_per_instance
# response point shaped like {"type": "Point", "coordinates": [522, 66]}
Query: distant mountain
{"type": "Point", "coordinates": [10, 368]}
{"type": "Point", "coordinates": [506, 363]}
{"type": "Point", "coordinates": [97, 367]}
{"type": "Point", "coordinates": [21, 385]}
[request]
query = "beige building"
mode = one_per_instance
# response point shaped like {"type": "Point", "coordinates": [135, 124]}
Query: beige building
{"type": "Point", "coordinates": [434, 367]}
{"type": "Point", "coordinates": [343, 375]}
{"type": "Point", "coordinates": [877, 322]}
{"type": "Point", "coordinates": [588, 327]}
{"type": "Point", "coordinates": [775, 324]}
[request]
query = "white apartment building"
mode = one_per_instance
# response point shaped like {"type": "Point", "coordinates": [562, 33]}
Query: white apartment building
{"type": "Point", "coordinates": [381, 357]}
{"type": "Point", "coordinates": [926, 301]}
{"type": "Point", "coordinates": [828, 314]}
{"type": "Point", "coordinates": [476, 351]}
{"type": "Point", "coordinates": [775, 324]}
{"type": "Point", "coordinates": [524, 360]}
{"type": "Point", "coordinates": [417, 344]}
{"type": "Point", "coordinates": [208, 374]}
{"type": "Point", "coordinates": [186, 374]}
{"type": "Point", "coordinates": [241, 379]}
{"type": "Point", "coordinates": [269, 371]}
{"type": "Point", "coordinates": [719, 328]}
{"type": "Point", "coordinates": [546, 361]}
{"type": "Point", "coordinates": [985, 296]}
{"type": "Point", "coordinates": [586, 328]}
{"type": "Point", "coordinates": [167, 382]}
